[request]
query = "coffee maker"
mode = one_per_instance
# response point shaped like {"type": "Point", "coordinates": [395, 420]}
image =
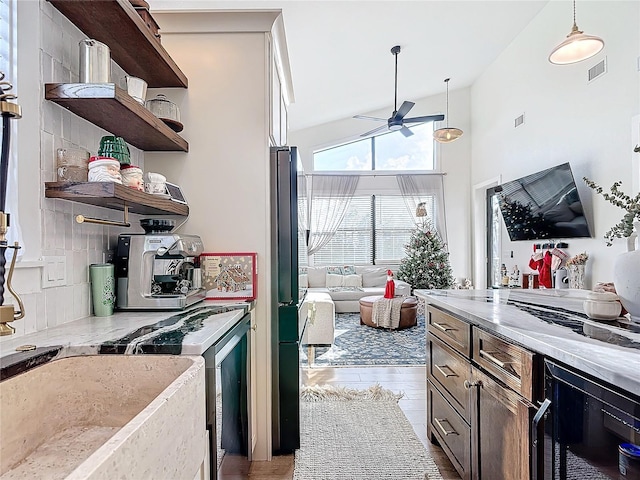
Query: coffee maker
{"type": "Point", "coordinates": [158, 270]}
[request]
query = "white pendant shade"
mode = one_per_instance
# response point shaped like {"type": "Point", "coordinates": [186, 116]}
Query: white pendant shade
{"type": "Point", "coordinates": [576, 47]}
{"type": "Point", "coordinates": [447, 134]}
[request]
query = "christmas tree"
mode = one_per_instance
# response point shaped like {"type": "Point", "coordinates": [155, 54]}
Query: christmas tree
{"type": "Point", "coordinates": [427, 262]}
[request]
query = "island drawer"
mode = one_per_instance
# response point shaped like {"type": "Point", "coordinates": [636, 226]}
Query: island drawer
{"type": "Point", "coordinates": [511, 364]}
{"type": "Point", "coordinates": [450, 330]}
{"type": "Point", "coordinates": [450, 370]}
{"type": "Point", "coordinates": [450, 430]}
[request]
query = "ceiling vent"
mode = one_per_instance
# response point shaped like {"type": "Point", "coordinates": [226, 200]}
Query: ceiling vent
{"type": "Point", "coordinates": [518, 121]}
{"type": "Point", "coordinates": [598, 70]}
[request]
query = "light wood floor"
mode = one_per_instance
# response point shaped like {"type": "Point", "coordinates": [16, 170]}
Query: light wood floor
{"type": "Point", "coordinates": [410, 380]}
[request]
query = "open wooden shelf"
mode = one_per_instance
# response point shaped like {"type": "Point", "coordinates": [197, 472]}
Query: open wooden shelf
{"type": "Point", "coordinates": [133, 46]}
{"type": "Point", "coordinates": [115, 196]}
{"type": "Point", "coordinates": [110, 107]}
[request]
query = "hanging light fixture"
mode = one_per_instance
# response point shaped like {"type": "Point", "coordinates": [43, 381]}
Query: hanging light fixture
{"type": "Point", "coordinates": [447, 134]}
{"type": "Point", "coordinates": [577, 46]}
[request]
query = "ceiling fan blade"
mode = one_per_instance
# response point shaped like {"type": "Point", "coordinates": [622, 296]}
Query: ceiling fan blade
{"type": "Point", "coordinates": [365, 117]}
{"type": "Point", "coordinates": [403, 110]}
{"type": "Point", "coordinates": [406, 132]}
{"type": "Point", "coordinates": [375, 130]}
{"type": "Point", "coordinates": [426, 118]}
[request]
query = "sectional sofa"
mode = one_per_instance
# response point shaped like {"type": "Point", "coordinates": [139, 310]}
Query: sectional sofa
{"type": "Point", "coordinates": [348, 284]}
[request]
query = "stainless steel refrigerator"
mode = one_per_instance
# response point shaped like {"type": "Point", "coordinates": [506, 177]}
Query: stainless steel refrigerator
{"type": "Point", "coordinates": [285, 302]}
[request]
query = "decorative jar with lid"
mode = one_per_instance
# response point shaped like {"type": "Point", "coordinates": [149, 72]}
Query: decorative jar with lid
{"type": "Point", "coordinates": [104, 169]}
{"type": "Point", "coordinates": [132, 177]}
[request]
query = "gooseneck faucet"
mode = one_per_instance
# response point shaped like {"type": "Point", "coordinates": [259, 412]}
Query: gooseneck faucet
{"type": "Point", "coordinates": [8, 110]}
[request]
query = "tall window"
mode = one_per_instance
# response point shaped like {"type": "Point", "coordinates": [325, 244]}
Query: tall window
{"type": "Point", "coordinates": [389, 151]}
{"type": "Point", "coordinates": [375, 230]}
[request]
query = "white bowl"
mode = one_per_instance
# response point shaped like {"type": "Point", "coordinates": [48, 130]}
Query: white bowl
{"type": "Point", "coordinates": [602, 310]}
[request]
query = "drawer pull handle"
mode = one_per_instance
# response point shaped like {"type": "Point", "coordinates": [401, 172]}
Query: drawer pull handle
{"type": "Point", "coordinates": [446, 432]}
{"type": "Point", "coordinates": [442, 326]}
{"type": "Point", "coordinates": [491, 358]}
{"type": "Point", "coordinates": [446, 374]}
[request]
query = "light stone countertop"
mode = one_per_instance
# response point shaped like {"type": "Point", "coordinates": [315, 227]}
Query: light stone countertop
{"type": "Point", "coordinates": [552, 323]}
{"type": "Point", "coordinates": [187, 332]}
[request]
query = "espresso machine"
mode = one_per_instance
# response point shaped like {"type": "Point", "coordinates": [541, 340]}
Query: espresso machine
{"type": "Point", "coordinates": [158, 270]}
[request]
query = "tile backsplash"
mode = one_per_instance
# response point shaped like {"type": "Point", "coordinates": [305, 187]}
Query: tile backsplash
{"type": "Point", "coordinates": [80, 244]}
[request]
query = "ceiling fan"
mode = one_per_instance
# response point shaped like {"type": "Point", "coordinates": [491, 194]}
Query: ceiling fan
{"type": "Point", "coordinates": [397, 119]}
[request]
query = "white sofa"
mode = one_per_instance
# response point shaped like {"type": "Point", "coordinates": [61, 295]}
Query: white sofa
{"type": "Point", "coordinates": [346, 289]}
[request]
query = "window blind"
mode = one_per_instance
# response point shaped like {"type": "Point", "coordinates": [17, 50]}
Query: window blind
{"type": "Point", "coordinates": [352, 243]}
{"type": "Point", "coordinates": [393, 226]}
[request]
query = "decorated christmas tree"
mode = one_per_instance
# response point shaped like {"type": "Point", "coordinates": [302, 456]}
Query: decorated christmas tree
{"type": "Point", "coordinates": [427, 262]}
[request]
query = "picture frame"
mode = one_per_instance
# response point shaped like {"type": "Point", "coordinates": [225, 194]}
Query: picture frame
{"type": "Point", "coordinates": [229, 276]}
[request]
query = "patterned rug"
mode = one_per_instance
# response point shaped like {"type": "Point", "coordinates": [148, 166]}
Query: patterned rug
{"type": "Point", "coordinates": [361, 345]}
{"type": "Point", "coordinates": [358, 435]}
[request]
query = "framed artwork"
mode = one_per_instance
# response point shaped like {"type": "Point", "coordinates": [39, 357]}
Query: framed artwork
{"type": "Point", "coordinates": [229, 276]}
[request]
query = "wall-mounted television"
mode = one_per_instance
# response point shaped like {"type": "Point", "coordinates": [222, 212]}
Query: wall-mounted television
{"type": "Point", "coordinates": [543, 205]}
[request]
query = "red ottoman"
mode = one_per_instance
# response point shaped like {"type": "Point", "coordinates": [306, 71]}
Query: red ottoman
{"type": "Point", "coordinates": [408, 312]}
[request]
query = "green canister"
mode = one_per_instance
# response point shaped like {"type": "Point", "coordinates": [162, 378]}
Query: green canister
{"type": "Point", "coordinates": [102, 277]}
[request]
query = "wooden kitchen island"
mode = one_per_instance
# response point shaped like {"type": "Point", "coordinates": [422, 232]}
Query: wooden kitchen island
{"type": "Point", "coordinates": [489, 387]}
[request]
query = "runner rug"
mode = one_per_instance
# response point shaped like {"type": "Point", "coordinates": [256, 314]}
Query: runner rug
{"type": "Point", "coordinates": [361, 345]}
{"type": "Point", "coordinates": [358, 435]}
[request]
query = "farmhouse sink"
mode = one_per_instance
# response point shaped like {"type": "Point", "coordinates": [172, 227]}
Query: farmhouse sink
{"type": "Point", "coordinates": [104, 417]}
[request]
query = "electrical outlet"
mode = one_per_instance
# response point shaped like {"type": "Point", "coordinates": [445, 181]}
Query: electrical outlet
{"type": "Point", "coordinates": [54, 272]}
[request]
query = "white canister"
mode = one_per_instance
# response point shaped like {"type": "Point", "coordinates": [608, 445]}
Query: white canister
{"type": "Point", "coordinates": [156, 183]}
{"type": "Point", "coordinates": [132, 177]}
{"type": "Point", "coordinates": [104, 169]}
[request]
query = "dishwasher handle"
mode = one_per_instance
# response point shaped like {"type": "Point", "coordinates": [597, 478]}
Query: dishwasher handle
{"type": "Point", "coordinates": [536, 436]}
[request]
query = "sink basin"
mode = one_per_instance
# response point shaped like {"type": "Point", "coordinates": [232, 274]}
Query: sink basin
{"type": "Point", "coordinates": [104, 417]}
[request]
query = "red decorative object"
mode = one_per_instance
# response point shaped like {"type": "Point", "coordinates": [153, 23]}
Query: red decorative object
{"type": "Point", "coordinates": [390, 287]}
{"type": "Point", "coordinates": [229, 276]}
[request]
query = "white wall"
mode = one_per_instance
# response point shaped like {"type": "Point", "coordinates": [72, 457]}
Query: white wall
{"type": "Point", "coordinates": [453, 159]}
{"type": "Point", "coordinates": [225, 174]}
{"type": "Point", "coordinates": [567, 119]}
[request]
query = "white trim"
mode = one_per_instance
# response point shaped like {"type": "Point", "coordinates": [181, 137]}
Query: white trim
{"type": "Point", "coordinates": [635, 157]}
{"type": "Point", "coordinates": [479, 230]}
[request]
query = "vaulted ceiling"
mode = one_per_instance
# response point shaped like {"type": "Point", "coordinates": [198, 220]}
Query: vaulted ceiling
{"type": "Point", "coordinates": [340, 57]}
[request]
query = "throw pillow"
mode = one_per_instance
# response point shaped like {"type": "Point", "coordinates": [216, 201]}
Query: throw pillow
{"type": "Point", "coordinates": [334, 270]}
{"type": "Point", "coordinates": [302, 270]}
{"type": "Point", "coordinates": [303, 280]}
{"type": "Point", "coordinates": [352, 280]}
{"type": "Point", "coordinates": [349, 270]}
{"type": "Point", "coordinates": [334, 280]}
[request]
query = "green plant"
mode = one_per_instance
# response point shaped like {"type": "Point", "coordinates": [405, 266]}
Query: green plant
{"type": "Point", "coordinates": [631, 205]}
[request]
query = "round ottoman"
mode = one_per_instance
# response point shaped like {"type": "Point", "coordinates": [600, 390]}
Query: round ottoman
{"type": "Point", "coordinates": [408, 312]}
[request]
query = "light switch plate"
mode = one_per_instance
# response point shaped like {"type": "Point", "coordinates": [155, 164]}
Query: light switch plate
{"type": "Point", "coordinates": [54, 272]}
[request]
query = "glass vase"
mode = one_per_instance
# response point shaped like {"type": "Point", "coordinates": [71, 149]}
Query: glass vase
{"type": "Point", "coordinates": [576, 276]}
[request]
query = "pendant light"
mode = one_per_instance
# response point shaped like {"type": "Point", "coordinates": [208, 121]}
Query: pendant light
{"type": "Point", "coordinates": [447, 134]}
{"type": "Point", "coordinates": [576, 47]}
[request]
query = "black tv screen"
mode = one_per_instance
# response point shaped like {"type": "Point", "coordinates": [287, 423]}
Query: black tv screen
{"type": "Point", "coordinates": [543, 205]}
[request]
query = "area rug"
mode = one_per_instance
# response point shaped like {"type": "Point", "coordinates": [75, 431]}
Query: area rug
{"type": "Point", "coordinates": [360, 345]}
{"type": "Point", "coordinates": [358, 434]}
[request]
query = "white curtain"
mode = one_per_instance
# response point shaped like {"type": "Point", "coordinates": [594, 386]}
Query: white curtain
{"type": "Point", "coordinates": [429, 189]}
{"type": "Point", "coordinates": [330, 197]}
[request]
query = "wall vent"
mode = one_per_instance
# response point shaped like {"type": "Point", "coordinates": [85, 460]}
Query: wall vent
{"type": "Point", "coordinates": [518, 121]}
{"type": "Point", "coordinates": [597, 70]}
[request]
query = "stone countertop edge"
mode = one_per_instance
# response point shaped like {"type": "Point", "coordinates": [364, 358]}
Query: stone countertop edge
{"type": "Point", "coordinates": [616, 365]}
{"type": "Point", "coordinates": [85, 336]}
